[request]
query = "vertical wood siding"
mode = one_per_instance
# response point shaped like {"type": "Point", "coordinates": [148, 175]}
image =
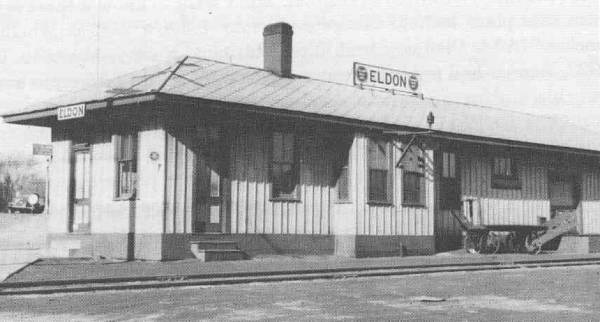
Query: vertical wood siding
{"type": "Point", "coordinates": [60, 184]}
{"type": "Point", "coordinates": [107, 214]}
{"type": "Point", "coordinates": [252, 211]}
{"type": "Point", "coordinates": [498, 206]}
{"type": "Point", "coordinates": [590, 202]}
{"type": "Point", "coordinates": [179, 188]}
{"type": "Point", "coordinates": [507, 206]}
{"type": "Point", "coordinates": [394, 219]}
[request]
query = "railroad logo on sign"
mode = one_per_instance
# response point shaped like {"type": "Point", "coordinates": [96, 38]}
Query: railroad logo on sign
{"type": "Point", "coordinates": [71, 112]}
{"type": "Point", "coordinates": [361, 73]}
{"type": "Point", "coordinates": [386, 78]}
{"type": "Point", "coordinates": [413, 82]}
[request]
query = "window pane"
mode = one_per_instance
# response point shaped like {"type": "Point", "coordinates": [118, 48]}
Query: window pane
{"type": "Point", "coordinates": [378, 185]}
{"type": "Point", "coordinates": [414, 188]}
{"type": "Point", "coordinates": [86, 175]}
{"type": "Point", "coordinates": [126, 164]}
{"type": "Point", "coordinates": [288, 147]}
{"type": "Point", "coordinates": [287, 180]}
{"type": "Point", "coordinates": [215, 183]}
{"type": "Point", "coordinates": [79, 175]}
{"type": "Point", "coordinates": [276, 179]}
{"type": "Point", "coordinates": [445, 165]}
{"type": "Point", "coordinates": [504, 167]}
{"type": "Point", "coordinates": [378, 154]}
{"type": "Point", "coordinates": [284, 174]}
{"type": "Point", "coordinates": [452, 165]}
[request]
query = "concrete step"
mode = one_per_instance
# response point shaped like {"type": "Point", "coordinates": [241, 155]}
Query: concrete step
{"type": "Point", "coordinates": [216, 250]}
{"type": "Point", "coordinates": [211, 255]}
{"type": "Point", "coordinates": [215, 244]}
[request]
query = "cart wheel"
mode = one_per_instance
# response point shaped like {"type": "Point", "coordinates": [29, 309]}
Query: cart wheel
{"type": "Point", "coordinates": [494, 243]}
{"type": "Point", "coordinates": [471, 242]}
{"type": "Point", "coordinates": [530, 245]}
{"type": "Point", "coordinates": [510, 243]}
{"type": "Point", "coordinates": [482, 243]}
{"type": "Point", "coordinates": [489, 243]}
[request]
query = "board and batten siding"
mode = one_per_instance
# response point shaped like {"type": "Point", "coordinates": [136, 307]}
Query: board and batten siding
{"type": "Point", "coordinates": [180, 178]}
{"type": "Point", "coordinates": [590, 202]}
{"type": "Point", "coordinates": [252, 210]}
{"type": "Point", "coordinates": [506, 206]}
{"type": "Point", "coordinates": [393, 219]}
{"type": "Point", "coordinates": [60, 184]}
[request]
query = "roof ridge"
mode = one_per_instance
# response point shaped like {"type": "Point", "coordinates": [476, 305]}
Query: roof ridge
{"type": "Point", "coordinates": [546, 116]}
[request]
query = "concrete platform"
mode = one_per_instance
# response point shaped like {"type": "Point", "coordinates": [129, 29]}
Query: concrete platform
{"type": "Point", "coordinates": [56, 271]}
{"type": "Point", "coordinates": [579, 244]}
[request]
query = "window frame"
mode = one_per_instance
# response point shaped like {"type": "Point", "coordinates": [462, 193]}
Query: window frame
{"type": "Point", "coordinates": [503, 181]}
{"type": "Point", "coordinates": [295, 165]}
{"type": "Point", "coordinates": [422, 193]}
{"type": "Point", "coordinates": [389, 187]}
{"type": "Point", "coordinates": [119, 159]}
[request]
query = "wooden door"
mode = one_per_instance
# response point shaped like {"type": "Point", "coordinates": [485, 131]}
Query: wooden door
{"type": "Point", "coordinates": [80, 193]}
{"type": "Point", "coordinates": [210, 188]}
{"type": "Point", "coordinates": [450, 189]}
{"type": "Point", "coordinates": [446, 228]}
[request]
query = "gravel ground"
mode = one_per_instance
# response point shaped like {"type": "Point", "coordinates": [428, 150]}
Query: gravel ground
{"type": "Point", "coordinates": [549, 294]}
{"type": "Point", "coordinates": [22, 230]}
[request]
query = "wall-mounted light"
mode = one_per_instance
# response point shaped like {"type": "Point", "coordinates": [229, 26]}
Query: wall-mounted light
{"type": "Point", "coordinates": [430, 119]}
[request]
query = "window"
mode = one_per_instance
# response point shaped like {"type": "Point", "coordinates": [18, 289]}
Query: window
{"type": "Point", "coordinates": [413, 185]}
{"type": "Point", "coordinates": [450, 190]}
{"type": "Point", "coordinates": [448, 165]}
{"type": "Point", "coordinates": [505, 174]}
{"type": "Point", "coordinates": [126, 167]}
{"type": "Point", "coordinates": [379, 163]}
{"type": "Point", "coordinates": [284, 167]}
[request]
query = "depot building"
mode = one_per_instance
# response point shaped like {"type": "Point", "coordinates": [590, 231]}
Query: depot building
{"type": "Point", "coordinates": [147, 164]}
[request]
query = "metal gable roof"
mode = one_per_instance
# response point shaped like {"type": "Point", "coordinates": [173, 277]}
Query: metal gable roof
{"type": "Point", "coordinates": [212, 80]}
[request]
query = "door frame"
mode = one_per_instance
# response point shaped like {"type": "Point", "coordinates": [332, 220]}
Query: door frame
{"type": "Point", "coordinates": [79, 148]}
{"type": "Point", "coordinates": [442, 215]}
{"type": "Point", "coordinates": [569, 174]}
{"type": "Point", "coordinates": [220, 155]}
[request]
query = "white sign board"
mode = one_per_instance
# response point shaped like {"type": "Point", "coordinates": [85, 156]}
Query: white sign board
{"type": "Point", "coordinates": [71, 112]}
{"type": "Point", "coordinates": [386, 78]}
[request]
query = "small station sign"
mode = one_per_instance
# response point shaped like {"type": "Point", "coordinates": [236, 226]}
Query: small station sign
{"type": "Point", "coordinates": [71, 112]}
{"type": "Point", "coordinates": [386, 78]}
{"type": "Point", "coordinates": [42, 149]}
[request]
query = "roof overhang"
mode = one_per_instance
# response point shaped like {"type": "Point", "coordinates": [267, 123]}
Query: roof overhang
{"type": "Point", "coordinates": [32, 116]}
{"type": "Point", "coordinates": [27, 117]}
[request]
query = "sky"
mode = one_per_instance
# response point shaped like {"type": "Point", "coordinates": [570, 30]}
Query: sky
{"type": "Point", "coordinates": [541, 57]}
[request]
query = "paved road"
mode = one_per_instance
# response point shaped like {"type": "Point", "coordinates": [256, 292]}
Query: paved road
{"type": "Point", "coordinates": [550, 294]}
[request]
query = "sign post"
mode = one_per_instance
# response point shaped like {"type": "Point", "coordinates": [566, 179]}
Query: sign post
{"type": "Point", "coordinates": [45, 150]}
{"type": "Point", "coordinates": [386, 78]}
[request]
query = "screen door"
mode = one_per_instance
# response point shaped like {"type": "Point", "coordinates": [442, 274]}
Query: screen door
{"type": "Point", "coordinates": [80, 213]}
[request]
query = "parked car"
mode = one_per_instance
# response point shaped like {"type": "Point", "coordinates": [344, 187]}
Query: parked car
{"type": "Point", "coordinates": [31, 204]}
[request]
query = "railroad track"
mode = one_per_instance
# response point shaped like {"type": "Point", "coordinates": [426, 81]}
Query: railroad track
{"type": "Point", "coordinates": [106, 284]}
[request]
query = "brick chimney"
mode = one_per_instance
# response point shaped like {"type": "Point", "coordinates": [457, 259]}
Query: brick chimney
{"type": "Point", "coordinates": [277, 47]}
